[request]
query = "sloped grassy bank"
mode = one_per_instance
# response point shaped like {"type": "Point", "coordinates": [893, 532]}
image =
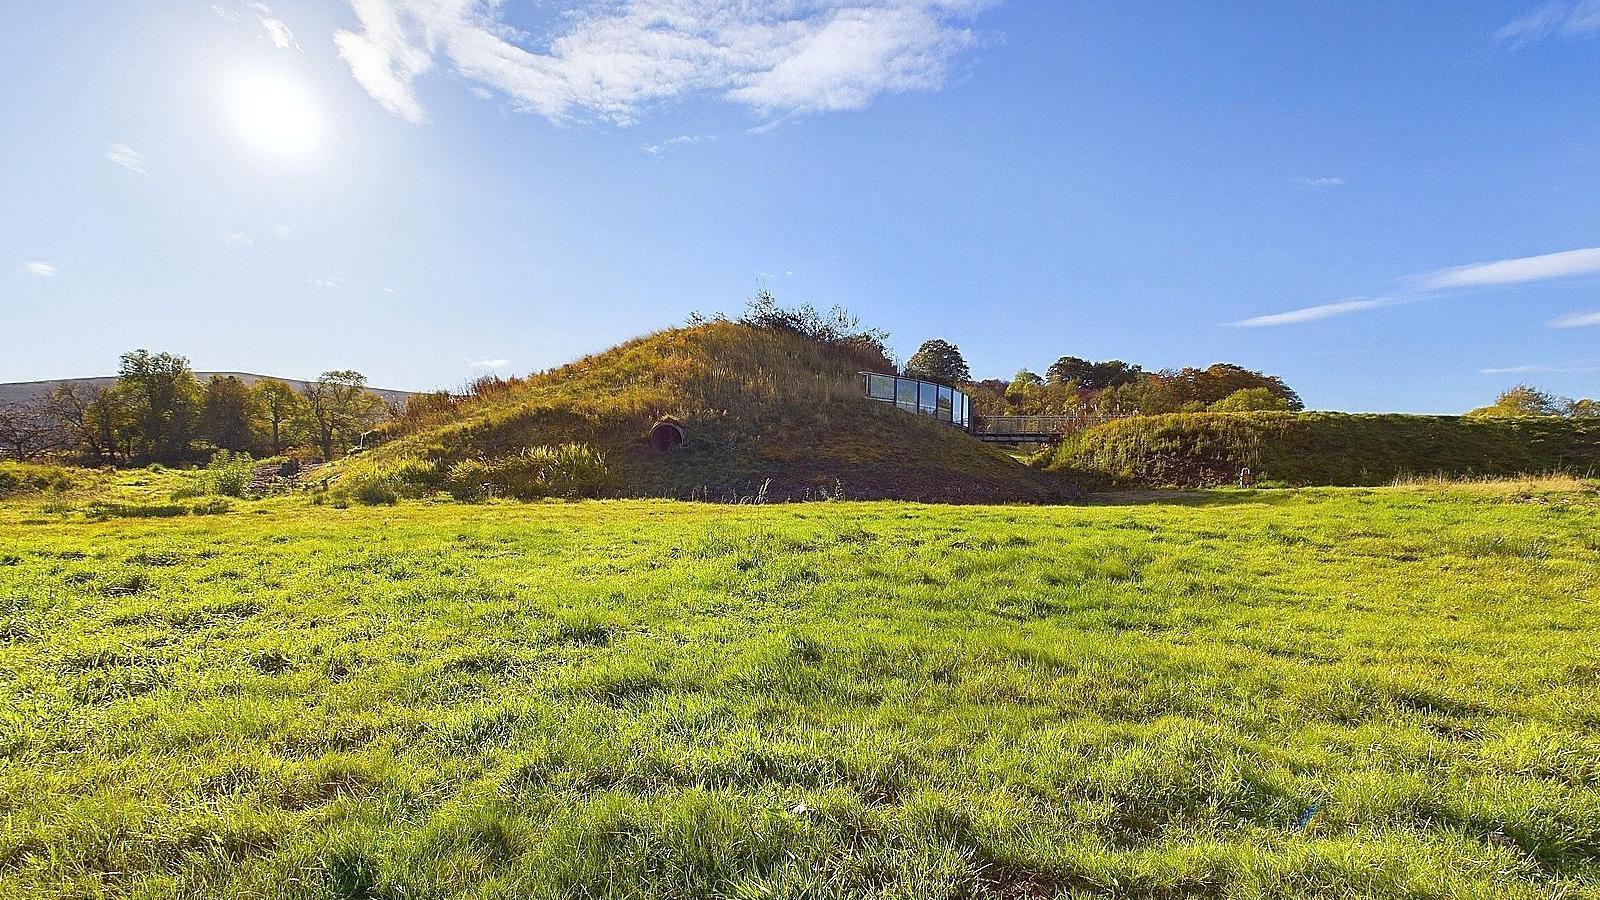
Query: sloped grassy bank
{"type": "Point", "coordinates": [1323, 448]}
{"type": "Point", "coordinates": [766, 413]}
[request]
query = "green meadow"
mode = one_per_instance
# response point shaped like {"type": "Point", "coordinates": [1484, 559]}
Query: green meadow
{"type": "Point", "coordinates": [1388, 692]}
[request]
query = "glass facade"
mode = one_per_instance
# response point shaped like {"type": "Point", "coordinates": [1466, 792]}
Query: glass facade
{"type": "Point", "coordinates": [940, 401]}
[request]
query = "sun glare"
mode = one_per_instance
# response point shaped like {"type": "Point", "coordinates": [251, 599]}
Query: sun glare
{"type": "Point", "coordinates": [273, 113]}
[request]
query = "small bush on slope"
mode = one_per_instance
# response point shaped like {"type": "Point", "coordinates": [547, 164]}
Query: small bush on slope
{"type": "Point", "coordinates": [1205, 449]}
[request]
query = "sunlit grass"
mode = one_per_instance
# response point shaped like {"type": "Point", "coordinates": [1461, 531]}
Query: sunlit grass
{"type": "Point", "coordinates": [1331, 692]}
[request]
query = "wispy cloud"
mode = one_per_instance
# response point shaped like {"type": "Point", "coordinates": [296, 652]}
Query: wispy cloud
{"type": "Point", "coordinates": [611, 58]}
{"type": "Point", "coordinates": [1325, 181]}
{"type": "Point", "coordinates": [682, 140]}
{"type": "Point", "coordinates": [39, 269]}
{"type": "Point", "coordinates": [1571, 20]}
{"type": "Point", "coordinates": [128, 158]}
{"type": "Point", "coordinates": [489, 363]}
{"type": "Point", "coordinates": [1521, 270]}
{"type": "Point", "coordinates": [1576, 320]}
{"type": "Point", "coordinates": [238, 239]}
{"type": "Point", "coordinates": [1516, 271]}
{"type": "Point", "coordinates": [283, 232]}
{"type": "Point", "coordinates": [325, 281]}
{"type": "Point", "coordinates": [1313, 313]}
{"type": "Point", "coordinates": [1543, 367]}
{"type": "Point", "coordinates": [276, 30]}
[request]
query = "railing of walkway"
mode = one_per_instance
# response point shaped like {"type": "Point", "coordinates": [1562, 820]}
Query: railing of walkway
{"type": "Point", "coordinates": [927, 398]}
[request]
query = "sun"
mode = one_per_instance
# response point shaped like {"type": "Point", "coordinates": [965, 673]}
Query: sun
{"type": "Point", "coordinates": [274, 113]}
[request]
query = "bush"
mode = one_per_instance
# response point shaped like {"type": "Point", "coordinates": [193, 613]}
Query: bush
{"type": "Point", "coordinates": [27, 478]}
{"type": "Point", "coordinates": [1256, 399]}
{"type": "Point", "coordinates": [373, 490]}
{"type": "Point", "coordinates": [468, 480]}
{"type": "Point", "coordinates": [228, 473]}
{"type": "Point", "coordinates": [419, 477]}
{"type": "Point", "coordinates": [1205, 449]}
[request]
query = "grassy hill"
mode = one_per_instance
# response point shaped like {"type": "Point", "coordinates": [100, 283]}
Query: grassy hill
{"type": "Point", "coordinates": [764, 411]}
{"type": "Point", "coordinates": [1332, 692]}
{"type": "Point", "coordinates": [1204, 449]}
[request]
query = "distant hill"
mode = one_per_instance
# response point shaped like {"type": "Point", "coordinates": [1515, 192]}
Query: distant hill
{"type": "Point", "coordinates": [759, 408]}
{"type": "Point", "coordinates": [22, 391]}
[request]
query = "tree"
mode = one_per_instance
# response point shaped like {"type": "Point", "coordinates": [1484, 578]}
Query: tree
{"type": "Point", "coordinates": [1255, 399]}
{"type": "Point", "coordinates": [1583, 409]}
{"type": "Point", "coordinates": [277, 407]}
{"type": "Point", "coordinates": [339, 406]}
{"type": "Point", "coordinates": [1189, 386]}
{"type": "Point", "coordinates": [938, 360]}
{"type": "Point", "coordinates": [164, 398]}
{"type": "Point", "coordinates": [1520, 402]}
{"type": "Point", "coordinates": [96, 420]}
{"type": "Point", "coordinates": [1023, 390]}
{"type": "Point", "coordinates": [225, 414]}
{"type": "Point", "coordinates": [28, 430]}
{"type": "Point", "coordinates": [1094, 376]}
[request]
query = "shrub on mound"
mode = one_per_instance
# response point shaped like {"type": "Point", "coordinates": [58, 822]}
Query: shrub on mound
{"type": "Point", "coordinates": [1207, 449]}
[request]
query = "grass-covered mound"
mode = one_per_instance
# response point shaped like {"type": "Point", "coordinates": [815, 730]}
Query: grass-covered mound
{"type": "Point", "coordinates": [1334, 692]}
{"type": "Point", "coordinates": [1204, 449]}
{"type": "Point", "coordinates": [766, 414]}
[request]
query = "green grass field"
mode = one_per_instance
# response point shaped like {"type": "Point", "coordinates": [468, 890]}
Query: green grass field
{"type": "Point", "coordinates": [1333, 692]}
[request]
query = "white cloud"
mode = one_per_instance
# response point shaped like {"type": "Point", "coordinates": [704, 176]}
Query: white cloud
{"type": "Point", "coordinates": [1576, 320]}
{"type": "Point", "coordinates": [238, 239]}
{"type": "Point", "coordinates": [128, 158]}
{"type": "Point", "coordinates": [1325, 181]}
{"type": "Point", "coordinates": [1543, 367]}
{"type": "Point", "coordinates": [489, 364]}
{"type": "Point", "coordinates": [682, 140]}
{"type": "Point", "coordinates": [1516, 271]}
{"type": "Point", "coordinates": [325, 281]}
{"type": "Point", "coordinates": [1579, 19]}
{"type": "Point", "coordinates": [1313, 313]}
{"type": "Point", "coordinates": [283, 232]}
{"type": "Point", "coordinates": [41, 269]}
{"type": "Point", "coordinates": [610, 58]}
{"type": "Point", "coordinates": [277, 31]}
{"type": "Point", "coordinates": [1566, 264]}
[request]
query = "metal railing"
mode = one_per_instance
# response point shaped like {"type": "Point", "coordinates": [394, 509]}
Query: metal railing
{"type": "Point", "coordinates": [1028, 429]}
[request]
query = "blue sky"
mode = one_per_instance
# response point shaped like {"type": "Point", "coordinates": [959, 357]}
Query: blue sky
{"type": "Point", "coordinates": [1393, 205]}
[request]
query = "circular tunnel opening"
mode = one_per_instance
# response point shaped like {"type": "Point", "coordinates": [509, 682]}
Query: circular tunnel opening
{"type": "Point", "coordinates": [666, 436]}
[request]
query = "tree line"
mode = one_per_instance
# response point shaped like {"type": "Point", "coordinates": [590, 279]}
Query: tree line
{"type": "Point", "coordinates": [1524, 401]}
{"type": "Point", "coordinates": [157, 410]}
{"type": "Point", "coordinates": [1075, 386]}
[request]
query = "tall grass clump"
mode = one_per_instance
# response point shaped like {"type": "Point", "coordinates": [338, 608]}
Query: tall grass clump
{"type": "Point", "coordinates": [229, 473]}
{"type": "Point", "coordinates": [568, 471]}
{"type": "Point", "coordinates": [28, 478]}
{"type": "Point", "coordinates": [565, 470]}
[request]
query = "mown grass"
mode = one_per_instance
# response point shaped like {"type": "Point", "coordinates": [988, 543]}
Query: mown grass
{"type": "Point", "coordinates": [1370, 692]}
